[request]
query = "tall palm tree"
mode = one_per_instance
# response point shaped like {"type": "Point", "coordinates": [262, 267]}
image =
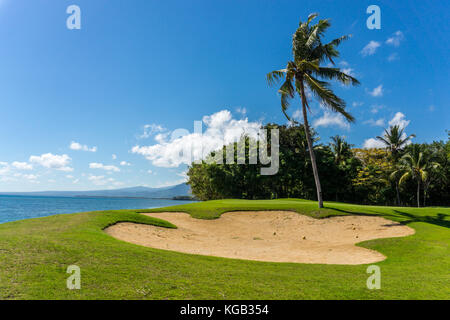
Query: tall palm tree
{"type": "Point", "coordinates": [305, 72]}
{"type": "Point", "coordinates": [416, 166]}
{"type": "Point", "coordinates": [395, 140]}
{"type": "Point", "coordinates": [340, 147]}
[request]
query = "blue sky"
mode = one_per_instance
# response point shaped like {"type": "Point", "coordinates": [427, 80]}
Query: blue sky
{"type": "Point", "coordinates": [95, 108]}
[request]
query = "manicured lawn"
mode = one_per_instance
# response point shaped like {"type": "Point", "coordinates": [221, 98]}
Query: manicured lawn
{"type": "Point", "coordinates": [35, 253]}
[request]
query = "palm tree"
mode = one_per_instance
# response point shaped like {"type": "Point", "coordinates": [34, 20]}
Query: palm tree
{"type": "Point", "coordinates": [305, 72]}
{"type": "Point", "coordinates": [395, 140]}
{"type": "Point", "coordinates": [416, 166]}
{"type": "Point", "coordinates": [340, 147]}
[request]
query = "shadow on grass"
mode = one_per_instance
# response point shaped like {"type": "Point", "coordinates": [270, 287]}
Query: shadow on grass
{"type": "Point", "coordinates": [439, 220]}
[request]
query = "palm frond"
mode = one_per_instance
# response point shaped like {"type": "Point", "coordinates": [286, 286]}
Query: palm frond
{"type": "Point", "coordinates": [327, 96]}
{"type": "Point", "coordinates": [336, 74]}
{"type": "Point", "coordinates": [275, 77]}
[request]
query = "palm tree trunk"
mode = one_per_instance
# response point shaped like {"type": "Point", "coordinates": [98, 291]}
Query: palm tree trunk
{"type": "Point", "coordinates": [310, 147]}
{"type": "Point", "coordinates": [398, 194]}
{"type": "Point", "coordinates": [418, 193]}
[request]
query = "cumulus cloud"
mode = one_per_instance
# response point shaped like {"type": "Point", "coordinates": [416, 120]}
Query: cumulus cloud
{"type": "Point", "coordinates": [370, 48]}
{"type": "Point", "coordinates": [151, 129]}
{"type": "Point", "coordinates": [96, 165]}
{"type": "Point", "coordinates": [331, 119]}
{"type": "Point", "coordinates": [399, 120]}
{"type": "Point", "coordinates": [357, 104]}
{"type": "Point", "coordinates": [395, 39]}
{"type": "Point", "coordinates": [125, 164]}
{"type": "Point", "coordinates": [377, 91]}
{"type": "Point", "coordinates": [81, 147]}
{"type": "Point", "coordinates": [53, 161]}
{"type": "Point", "coordinates": [183, 147]}
{"type": "Point", "coordinates": [373, 143]}
{"type": "Point", "coordinates": [22, 165]}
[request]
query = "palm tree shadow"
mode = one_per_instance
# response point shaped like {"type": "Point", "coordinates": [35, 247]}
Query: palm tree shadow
{"type": "Point", "coordinates": [441, 219]}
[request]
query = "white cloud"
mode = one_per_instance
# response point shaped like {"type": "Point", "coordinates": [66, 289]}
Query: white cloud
{"type": "Point", "coordinates": [221, 129]}
{"type": "Point", "coordinates": [399, 119]}
{"type": "Point", "coordinates": [331, 119]}
{"type": "Point", "coordinates": [357, 104]}
{"type": "Point", "coordinates": [125, 164]}
{"type": "Point", "coordinates": [375, 123]}
{"type": "Point", "coordinates": [95, 165]}
{"type": "Point", "coordinates": [377, 91]}
{"type": "Point", "coordinates": [370, 48]}
{"type": "Point", "coordinates": [343, 63]}
{"type": "Point", "coordinates": [114, 157]}
{"type": "Point", "coordinates": [392, 57]}
{"type": "Point", "coordinates": [150, 171]}
{"type": "Point", "coordinates": [53, 161]}
{"type": "Point", "coordinates": [22, 165]}
{"type": "Point", "coordinates": [150, 129]}
{"type": "Point", "coordinates": [81, 147]}
{"type": "Point", "coordinates": [373, 143]}
{"type": "Point", "coordinates": [395, 39]}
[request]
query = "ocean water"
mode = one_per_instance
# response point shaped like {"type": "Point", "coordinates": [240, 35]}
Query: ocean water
{"type": "Point", "coordinates": [14, 208]}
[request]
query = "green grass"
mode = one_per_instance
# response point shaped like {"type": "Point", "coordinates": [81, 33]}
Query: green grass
{"type": "Point", "coordinates": [35, 253]}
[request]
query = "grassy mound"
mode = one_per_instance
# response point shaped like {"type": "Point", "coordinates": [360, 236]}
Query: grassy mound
{"type": "Point", "coordinates": [35, 254]}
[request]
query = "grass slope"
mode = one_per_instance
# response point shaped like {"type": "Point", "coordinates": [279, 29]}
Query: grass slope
{"type": "Point", "coordinates": [35, 253]}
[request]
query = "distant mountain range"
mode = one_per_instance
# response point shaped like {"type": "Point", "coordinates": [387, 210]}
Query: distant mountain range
{"type": "Point", "coordinates": [180, 190]}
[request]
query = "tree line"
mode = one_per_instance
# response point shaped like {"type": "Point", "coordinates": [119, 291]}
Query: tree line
{"type": "Point", "coordinates": [401, 174]}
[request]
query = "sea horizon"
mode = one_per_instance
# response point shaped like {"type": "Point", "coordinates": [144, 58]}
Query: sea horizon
{"type": "Point", "coordinates": [20, 207]}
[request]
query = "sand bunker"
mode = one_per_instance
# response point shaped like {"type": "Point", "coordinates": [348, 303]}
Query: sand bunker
{"type": "Point", "coordinates": [275, 236]}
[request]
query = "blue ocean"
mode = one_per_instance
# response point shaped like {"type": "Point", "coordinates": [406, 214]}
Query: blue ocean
{"type": "Point", "coordinates": [14, 208]}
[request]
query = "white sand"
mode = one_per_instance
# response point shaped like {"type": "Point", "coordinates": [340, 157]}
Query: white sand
{"type": "Point", "coordinates": [275, 236]}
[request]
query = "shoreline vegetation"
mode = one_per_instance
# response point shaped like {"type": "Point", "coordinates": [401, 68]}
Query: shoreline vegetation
{"type": "Point", "coordinates": [35, 254]}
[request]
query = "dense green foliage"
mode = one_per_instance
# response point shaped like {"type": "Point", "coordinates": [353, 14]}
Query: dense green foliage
{"type": "Point", "coordinates": [35, 254]}
{"type": "Point", "coordinates": [366, 176]}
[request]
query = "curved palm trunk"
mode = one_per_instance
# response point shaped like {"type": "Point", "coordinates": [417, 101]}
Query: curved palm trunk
{"type": "Point", "coordinates": [310, 147]}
